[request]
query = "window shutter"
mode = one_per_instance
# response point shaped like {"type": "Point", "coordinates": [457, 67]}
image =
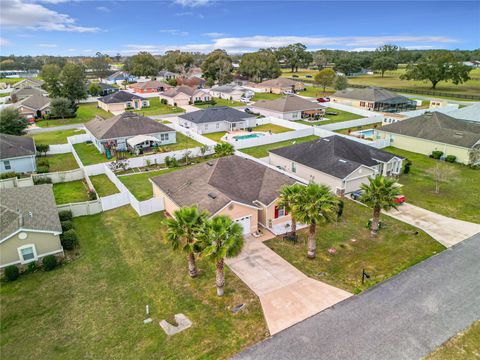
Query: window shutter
{"type": "Point", "coordinates": [276, 212]}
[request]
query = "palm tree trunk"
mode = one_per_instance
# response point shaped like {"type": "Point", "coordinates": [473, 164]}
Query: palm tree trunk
{"type": "Point", "coordinates": [294, 226]}
{"type": "Point", "coordinates": [220, 278]}
{"type": "Point", "coordinates": [192, 266]}
{"type": "Point", "coordinates": [376, 220]}
{"type": "Point", "coordinates": [312, 243]}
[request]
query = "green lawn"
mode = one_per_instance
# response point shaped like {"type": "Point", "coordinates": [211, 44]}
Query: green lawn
{"type": "Point", "coordinates": [221, 102]}
{"type": "Point", "coordinates": [93, 307]}
{"type": "Point", "coordinates": [262, 151]}
{"type": "Point", "coordinates": [60, 162]}
{"type": "Point", "coordinates": [103, 185]}
{"type": "Point", "coordinates": [4, 94]}
{"type": "Point", "coordinates": [340, 117]}
{"type": "Point", "coordinates": [458, 198]}
{"type": "Point", "coordinates": [85, 113]}
{"type": "Point", "coordinates": [55, 137]}
{"type": "Point", "coordinates": [157, 108]}
{"type": "Point", "coordinates": [275, 129]}
{"type": "Point", "coordinates": [139, 184]}
{"type": "Point", "coordinates": [266, 96]}
{"type": "Point", "coordinates": [394, 249]}
{"type": "Point", "coordinates": [315, 92]}
{"type": "Point", "coordinates": [11, 80]}
{"type": "Point", "coordinates": [70, 192]}
{"type": "Point", "coordinates": [358, 128]}
{"type": "Point", "coordinates": [464, 346]}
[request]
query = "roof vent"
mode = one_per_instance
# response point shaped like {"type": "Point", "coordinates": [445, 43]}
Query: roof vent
{"type": "Point", "coordinates": [327, 140]}
{"type": "Point", "coordinates": [343, 161]}
{"type": "Point", "coordinates": [459, 134]}
{"type": "Point", "coordinates": [212, 195]}
{"type": "Point", "coordinates": [428, 113]}
{"type": "Point", "coordinates": [209, 163]}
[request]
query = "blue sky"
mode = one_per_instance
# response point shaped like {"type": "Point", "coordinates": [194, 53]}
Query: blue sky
{"type": "Point", "coordinates": [63, 27]}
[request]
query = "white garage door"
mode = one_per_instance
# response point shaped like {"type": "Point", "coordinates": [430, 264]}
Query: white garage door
{"type": "Point", "coordinates": [245, 222]}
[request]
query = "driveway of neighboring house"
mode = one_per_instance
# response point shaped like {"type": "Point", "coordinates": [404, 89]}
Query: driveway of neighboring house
{"type": "Point", "coordinates": [445, 230]}
{"type": "Point", "coordinates": [287, 295]}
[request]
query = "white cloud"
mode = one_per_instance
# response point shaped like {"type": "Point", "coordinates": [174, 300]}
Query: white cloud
{"type": "Point", "coordinates": [4, 42]}
{"type": "Point", "coordinates": [47, 45]}
{"type": "Point", "coordinates": [103, 8]}
{"type": "Point", "coordinates": [174, 32]}
{"type": "Point", "coordinates": [214, 34]}
{"type": "Point", "coordinates": [19, 14]}
{"type": "Point", "coordinates": [192, 3]}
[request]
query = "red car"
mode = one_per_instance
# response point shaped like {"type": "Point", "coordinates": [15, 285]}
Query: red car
{"type": "Point", "coordinates": [323, 99]}
{"type": "Point", "coordinates": [400, 199]}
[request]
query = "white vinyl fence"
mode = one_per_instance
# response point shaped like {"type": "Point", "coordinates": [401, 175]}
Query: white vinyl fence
{"type": "Point", "coordinates": [353, 123]}
{"type": "Point", "coordinates": [281, 122]}
{"type": "Point", "coordinates": [351, 109]}
{"type": "Point", "coordinates": [14, 182]}
{"type": "Point", "coordinates": [270, 139]}
{"type": "Point", "coordinates": [83, 208]}
{"type": "Point", "coordinates": [61, 176]}
{"type": "Point", "coordinates": [59, 149]}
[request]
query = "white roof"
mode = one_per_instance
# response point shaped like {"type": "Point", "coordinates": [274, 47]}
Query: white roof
{"type": "Point", "coordinates": [140, 139]}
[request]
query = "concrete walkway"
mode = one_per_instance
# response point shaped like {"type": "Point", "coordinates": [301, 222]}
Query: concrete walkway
{"type": "Point", "coordinates": [445, 230]}
{"type": "Point", "coordinates": [287, 295]}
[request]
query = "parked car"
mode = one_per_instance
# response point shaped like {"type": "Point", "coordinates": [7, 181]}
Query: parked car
{"type": "Point", "coordinates": [356, 194]}
{"type": "Point", "coordinates": [323, 99]}
{"type": "Point", "coordinates": [248, 111]}
{"type": "Point", "coordinates": [400, 199]}
{"type": "Point", "coordinates": [288, 92]}
{"type": "Point", "coordinates": [245, 100]}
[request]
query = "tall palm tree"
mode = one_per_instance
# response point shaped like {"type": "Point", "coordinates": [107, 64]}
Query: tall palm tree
{"type": "Point", "coordinates": [379, 194]}
{"type": "Point", "coordinates": [289, 197]}
{"type": "Point", "coordinates": [183, 230]}
{"type": "Point", "coordinates": [222, 238]}
{"type": "Point", "coordinates": [317, 205]}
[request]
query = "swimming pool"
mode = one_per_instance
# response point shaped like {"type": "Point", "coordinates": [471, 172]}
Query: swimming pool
{"type": "Point", "coordinates": [366, 133]}
{"type": "Point", "coordinates": [248, 136]}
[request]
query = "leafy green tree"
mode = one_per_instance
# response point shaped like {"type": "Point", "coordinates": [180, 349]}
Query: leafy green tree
{"type": "Point", "coordinates": [62, 107]}
{"type": "Point", "coordinates": [438, 66]}
{"type": "Point", "coordinates": [12, 122]}
{"type": "Point", "coordinates": [259, 65]}
{"type": "Point", "coordinates": [341, 82]}
{"type": "Point", "coordinates": [183, 231]}
{"type": "Point", "coordinates": [143, 64]}
{"type": "Point", "coordinates": [294, 56]}
{"type": "Point", "coordinates": [218, 67]}
{"type": "Point", "coordinates": [177, 61]}
{"type": "Point", "coordinates": [379, 194]}
{"type": "Point", "coordinates": [51, 75]}
{"type": "Point", "coordinates": [384, 63]}
{"type": "Point", "coordinates": [100, 65]}
{"type": "Point", "coordinates": [224, 149]}
{"type": "Point", "coordinates": [317, 205]}
{"type": "Point", "coordinates": [94, 89]}
{"type": "Point", "coordinates": [325, 77]}
{"type": "Point", "coordinates": [290, 197]}
{"type": "Point", "coordinates": [72, 80]}
{"type": "Point", "coordinates": [42, 149]}
{"type": "Point", "coordinates": [221, 238]}
{"type": "Point", "coordinates": [319, 59]}
{"type": "Point", "coordinates": [348, 65]}
{"type": "Point", "coordinates": [387, 50]}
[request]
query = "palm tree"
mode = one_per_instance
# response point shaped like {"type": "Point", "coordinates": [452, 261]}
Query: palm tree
{"type": "Point", "coordinates": [224, 149]}
{"type": "Point", "coordinates": [289, 197]}
{"type": "Point", "coordinates": [222, 238]}
{"type": "Point", "coordinates": [317, 204]}
{"type": "Point", "coordinates": [183, 230]}
{"type": "Point", "coordinates": [379, 194]}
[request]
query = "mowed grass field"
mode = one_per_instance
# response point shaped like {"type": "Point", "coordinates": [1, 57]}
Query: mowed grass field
{"type": "Point", "coordinates": [94, 307]}
{"type": "Point", "coordinates": [85, 113]}
{"type": "Point", "coordinates": [55, 137]}
{"type": "Point", "coordinates": [464, 346]}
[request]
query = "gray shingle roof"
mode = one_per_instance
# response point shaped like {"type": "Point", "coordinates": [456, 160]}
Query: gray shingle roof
{"type": "Point", "coordinates": [370, 94]}
{"type": "Point", "coordinates": [35, 102]}
{"type": "Point", "coordinates": [439, 127]}
{"type": "Point", "coordinates": [31, 207]}
{"type": "Point", "coordinates": [150, 84]}
{"type": "Point", "coordinates": [231, 178]}
{"type": "Point", "coordinates": [119, 97]}
{"type": "Point", "coordinates": [12, 146]}
{"type": "Point", "coordinates": [181, 89]}
{"type": "Point", "coordinates": [288, 103]}
{"type": "Point", "coordinates": [216, 113]}
{"type": "Point", "coordinates": [126, 124]}
{"type": "Point", "coordinates": [334, 155]}
{"type": "Point", "coordinates": [227, 88]}
{"type": "Point", "coordinates": [27, 91]}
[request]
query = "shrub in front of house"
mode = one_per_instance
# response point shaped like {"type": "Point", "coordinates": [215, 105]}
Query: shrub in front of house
{"type": "Point", "coordinates": [67, 225]}
{"type": "Point", "coordinates": [436, 154]}
{"type": "Point", "coordinates": [43, 169]}
{"type": "Point", "coordinates": [65, 215]}
{"type": "Point", "coordinates": [450, 158]}
{"type": "Point", "coordinates": [11, 273]}
{"type": "Point", "coordinates": [42, 180]}
{"type": "Point", "coordinates": [407, 166]}
{"type": "Point", "coordinates": [69, 239]}
{"type": "Point", "coordinates": [43, 162]}
{"type": "Point", "coordinates": [8, 175]}
{"type": "Point", "coordinates": [31, 267]}
{"type": "Point", "coordinates": [92, 195]}
{"type": "Point", "coordinates": [49, 262]}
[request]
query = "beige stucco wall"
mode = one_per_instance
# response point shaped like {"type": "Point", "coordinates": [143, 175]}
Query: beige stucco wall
{"type": "Point", "coordinates": [45, 243]}
{"type": "Point", "coordinates": [351, 102]}
{"type": "Point", "coordinates": [270, 215]}
{"type": "Point", "coordinates": [170, 206]}
{"type": "Point", "coordinates": [237, 211]}
{"type": "Point", "coordinates": [423, 146]}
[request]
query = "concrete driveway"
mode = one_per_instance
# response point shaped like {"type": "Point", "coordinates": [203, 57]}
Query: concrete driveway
{"type": "Point", "coordinates": [445, 230]}
{"type": "Point", "coordinates": [287, 295]}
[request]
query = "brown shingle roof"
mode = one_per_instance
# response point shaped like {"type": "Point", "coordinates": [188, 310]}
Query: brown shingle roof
{"type": "Point", "coordinates": [213, 185]}
{"type": "Point", "coordinates": [12, 146]}
{"type": "Point", "coordinates": [35, 102]}
{"type": "Point", "coordinates": [370, 94]}
{"type": "Point", "coordinates": [124, 125]}
{"type": "Point", "coordinates": [288, 103]}
{"type": "Point", "coordinates": [279, 82]}
{"type": "Point", "coordinates": [439, 127]}
{"type": "Point", "coordinates": [151, 84]}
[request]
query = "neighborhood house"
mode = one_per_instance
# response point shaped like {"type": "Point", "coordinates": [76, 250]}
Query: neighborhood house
{"type": "Point", "coordinates": [434, 131]}
{"type": "Point", "coordinates": [119, 77]}
{"type": "Point", "coordinates": [216, 119]}
{"type": "Point", "coordinates": [28, 83]}
{"type": "Point", "coordinates": [166, 75]}
{"type": "Point", "coordinates": [374, 99]}
{"type": "Point", "coordinates": [240, 188]}
{"type": "Point", "coordinates": [230, 92]}
{"type": "Point", "coordinates": [336, 161]}
{"type": "Point", "coordinates": [17, 154]}
{"type": "Point", "coordinates": [184, 95]}
{"type": "Point", "coordinates": [120, 101]}
{"type": "Point", "coordinates": [279, 86]}
{"type": "Point", "coordinates": [30, 225]}
{"type": "Point", "coordinates": [25, 92]}
{"type": "Point", "coordinates": [34, 106]}
{"type": "Point", "coordinates": [151, 86]}
{"type": "Point", "coordinates": [290, 107]}
{"type": "Point", "coordinates": [129, 131]}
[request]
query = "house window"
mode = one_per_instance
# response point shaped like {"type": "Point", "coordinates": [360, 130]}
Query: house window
{"type": "Point", "coordinates": [294, 167]}
{"type": "Point", "coordinates": [129, 104]}
{"type": "Point", "coordinates": [280, 212]}
{"type": "Point", "coordinates": [7, 165]}
{"type": "Point", "coordinates": [362, 103]}
{"type": "Point", "coordinates": [218, 125]}
{"type": "Point", "coordinates": [163, 137]}
{"type": "Point", "coordinates": [27, 253]}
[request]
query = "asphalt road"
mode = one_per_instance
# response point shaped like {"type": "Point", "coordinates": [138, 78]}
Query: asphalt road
{"type": "Point", "coordinates": [405, 317]}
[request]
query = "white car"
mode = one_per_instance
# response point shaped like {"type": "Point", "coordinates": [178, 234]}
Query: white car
{"type": "Point", "coordinates": [245, 100]}
{"type": "Point", "coordinates": [288, 92]}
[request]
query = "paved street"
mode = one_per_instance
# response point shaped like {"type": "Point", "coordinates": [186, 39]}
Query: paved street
{"type": "Point", "coordinates": [405, 317]}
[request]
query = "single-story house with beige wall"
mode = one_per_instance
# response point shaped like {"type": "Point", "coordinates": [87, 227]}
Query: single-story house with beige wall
{"type": "Point", "coordinates": [336, 161]}
{"type": "Point", "coordinates": [150, 86]}
{"type": "Point", "coordinates": [434, 131]}
{"type": "Point", "coordinates": [279, 86]}
{"type": "Point", "coordinates": [230, 92]}
{"type": "Point", "coordinates": [290, 107]}
{"type": "Point", "coordinates": [34, 106]}
{"type": "Point", "coordinates": [240, 188]}
{"type": "Point", "coordinates": [120, 101]}
{"type": "Point", "coordinates": [184, 95]}
{"type": "Point", "coordinates": [30, 225]}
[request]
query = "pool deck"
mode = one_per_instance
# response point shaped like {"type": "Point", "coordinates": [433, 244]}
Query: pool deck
{"type": "Point", "coordinates": [232, 136]}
